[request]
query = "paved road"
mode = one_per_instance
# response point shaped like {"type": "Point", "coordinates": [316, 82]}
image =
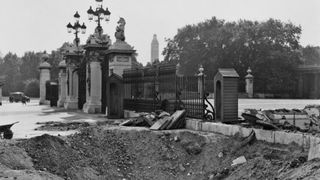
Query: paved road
{"type": "Point", "coordinates": [28, 115]}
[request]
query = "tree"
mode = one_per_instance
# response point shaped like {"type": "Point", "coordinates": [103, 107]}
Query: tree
{"type": "Point", "coordinates": [32, 88]}
{"type": "Point", "coordinates": [54, 59]}
{"type": "Point", "coordinates": [30, 64]}
{"type": "Point", "coordinates": [270, 48]}
{"type": "Point", "coordinates": [10, 69]}
{"type": "Point", "coordinates": [311, 55]}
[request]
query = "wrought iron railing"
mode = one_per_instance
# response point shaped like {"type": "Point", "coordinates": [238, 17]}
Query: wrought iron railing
{"type": "Point", "coordinates": [158, 87]}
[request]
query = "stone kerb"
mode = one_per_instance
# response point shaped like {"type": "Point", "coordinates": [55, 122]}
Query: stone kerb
{"type": "Point", "coordinates": [306, 141]}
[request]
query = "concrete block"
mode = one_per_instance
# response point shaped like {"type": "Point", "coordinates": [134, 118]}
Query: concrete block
{"type": "Point", "coordinates": [221, 129]}
{"type": "Point", "coordinates": [264, 135]}
{"type": "Point", "coordinates": [287, 138]}
{"type": "Point", "coordinates": [213, 127]}
{"type": "Point", "coordinates": [244, 132]}
{"type": "Point", "coordinates": [224, 129]}
{"type": "Point", "coordinates": [233, 130]}
{"type": "Point", "coordinates": [193, 124]}
{"type": "Point", "coordinates": [189, 124]}
{"type": "Point", "coordinates": [306, 141]}
{"type": "Point", "coordinates": [206, 126]}
{"type": "Point", "coordinates": [198, 126]}
{"type": "Point", "coordinates": [314, 151]}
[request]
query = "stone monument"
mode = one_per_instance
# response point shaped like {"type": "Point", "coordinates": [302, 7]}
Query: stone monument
{"type": "Point", "coordinates": [44, 77]}
{"type": "Point", "coordinates": [154, 49]}
{"type": "Point", "coordinates": [249, 83]}
{"type": "Point", "coordinates": [120, 53]}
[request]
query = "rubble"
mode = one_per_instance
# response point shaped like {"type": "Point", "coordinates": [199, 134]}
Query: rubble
{"type": "Point", "coordinates": [239, 160]}
{"type": "Point", "coordinates": [160, 121]}
{"type": "Point", "coordinates": [107, 152]}
{"type": "Point", "coordinates": [303, 120]}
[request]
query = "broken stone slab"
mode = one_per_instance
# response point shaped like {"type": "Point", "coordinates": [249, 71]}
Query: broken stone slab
{"type": "Point", "coordinates": [314, 150]}
{"type": "Point", "coordinates": [239, 160]}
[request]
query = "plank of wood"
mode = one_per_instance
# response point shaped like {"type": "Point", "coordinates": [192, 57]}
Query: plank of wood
{"type": "Point", "coordinates": [159, 123]}
{"type": "Point", "coordinates": [177, 117]}
{"type": "Point", "coordinates": [126, 123]}
{"type": "Point", "coordinates": [165, 125]}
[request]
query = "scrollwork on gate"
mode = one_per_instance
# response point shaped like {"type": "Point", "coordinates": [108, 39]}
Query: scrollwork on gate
{"type": "Point", "coordinates": [209, 112]}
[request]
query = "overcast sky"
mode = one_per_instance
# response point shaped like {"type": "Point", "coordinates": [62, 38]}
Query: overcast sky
{"type": "Point", "coordinates": [37, 25]}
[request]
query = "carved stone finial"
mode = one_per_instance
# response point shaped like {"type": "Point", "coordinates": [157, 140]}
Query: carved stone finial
{"type": "Point", "coordinates": [119, 34]}
{"type": "Point", "coordinates": [249, 70]}
{"type": "Point", "coordinates": [249, 75]}
{"type": "Point", "coordinates": [201, 69]}
{"type": "Point", "coordinates": [45, 56]}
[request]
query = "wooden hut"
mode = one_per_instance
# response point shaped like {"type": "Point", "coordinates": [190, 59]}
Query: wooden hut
{"type": "Point", "coordinates": [115, 94]}
{"type": "Point", "coordinates": [226, 95]}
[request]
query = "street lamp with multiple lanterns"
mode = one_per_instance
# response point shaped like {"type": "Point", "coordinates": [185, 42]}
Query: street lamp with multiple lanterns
{"type": "Point", "coordinates": [76, 28]}
{"type": "Point", "coordinates": [98, 15]}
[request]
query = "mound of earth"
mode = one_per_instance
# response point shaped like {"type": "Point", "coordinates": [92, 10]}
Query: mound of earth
{"type": "Point", "coordinates": [15, 164]}
{"type": "Point", "coordinates": [102, 153]}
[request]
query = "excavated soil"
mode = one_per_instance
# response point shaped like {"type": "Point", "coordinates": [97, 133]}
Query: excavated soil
{"type": "Point", "coordinates": [103, 153]}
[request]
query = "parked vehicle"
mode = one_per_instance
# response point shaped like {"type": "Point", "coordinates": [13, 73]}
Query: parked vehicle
{"type": "Point", "coordinates": [18, 97]}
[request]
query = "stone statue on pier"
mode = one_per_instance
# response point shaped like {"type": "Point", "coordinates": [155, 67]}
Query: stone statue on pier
{"type": "Point", "coordinates": [98, 38]}
{"type": "Point", "coordinates": [119, 34]}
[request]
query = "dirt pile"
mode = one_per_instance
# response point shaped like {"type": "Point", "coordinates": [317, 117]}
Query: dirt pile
{"type": "Point", "coordinates": [98, 153]}
{"type": "Point", "coordinates": [51, 153]}
{"type": "Point", "coordinates": [16, 164]}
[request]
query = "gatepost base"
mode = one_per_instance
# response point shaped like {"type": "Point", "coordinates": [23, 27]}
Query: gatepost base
{"type": "Point", "coordinates": [61, 103]}
{"type": "Point", "coordinates": [71, 105]}
{"type": "Point", "coordinates": [91, 108]}
{"type": "Point", "coordinates": [44, 102]}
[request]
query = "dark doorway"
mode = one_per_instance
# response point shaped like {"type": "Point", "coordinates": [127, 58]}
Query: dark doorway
{"type": "Point", "coordinates": [115, 93]}
{"type": "Point", "coordinates": [54, 93]}
{"type": "Point", "coordinates": [114, 100]}
{"type": "Point", "coordinates": [218, 99]}
{"type": "Point", "coordinates": [104, 83]}
{"type": "Point", "coordinates": [82, 84]}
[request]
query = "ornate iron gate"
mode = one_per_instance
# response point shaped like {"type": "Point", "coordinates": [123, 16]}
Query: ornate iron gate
{"type": "Point", "coordinates": [159, 87]}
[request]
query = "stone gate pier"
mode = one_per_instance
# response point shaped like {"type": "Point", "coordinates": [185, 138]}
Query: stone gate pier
{"type": "Point", "coordinates": [44, 77]}
{"type": "Point", "coordinates": [309, 81]}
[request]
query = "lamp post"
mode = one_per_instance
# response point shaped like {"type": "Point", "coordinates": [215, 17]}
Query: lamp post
{"type": "Point", "coordinates": [72, 61]}
{"type": "Point", "coordinates": [98, 15]}
{"type": "Point", "coordinates": [76, 28]}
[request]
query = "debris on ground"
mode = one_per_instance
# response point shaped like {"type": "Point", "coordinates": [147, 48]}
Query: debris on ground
{"type": "Point", "coordinates": [61, 126]}
{"type": "Point", "coordinates": [158, 121]}
{"type": "Point", "coordinates": [110, 152]}
{"type": "Point", "coordinates": [239, 160]}
{"type": "Point", "coordinates": [303, 120]}
{"type": "Point", "coordinates": [102, 153]}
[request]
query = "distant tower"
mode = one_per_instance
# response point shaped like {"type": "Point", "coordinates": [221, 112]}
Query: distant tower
{"type": "Point", "coordinates": [154, 49]}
